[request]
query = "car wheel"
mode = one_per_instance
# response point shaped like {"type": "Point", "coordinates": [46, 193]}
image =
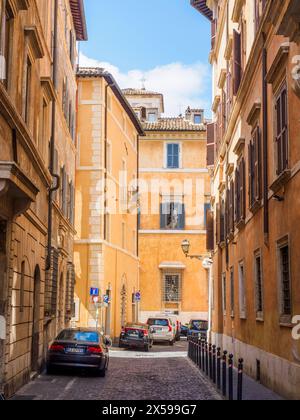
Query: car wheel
{"type": "Point", "coordinates": [101, 373]}
{"type": "Point", "coordinates": [171, 343]}
{"type": "Point", "coordinates": [147, 348]}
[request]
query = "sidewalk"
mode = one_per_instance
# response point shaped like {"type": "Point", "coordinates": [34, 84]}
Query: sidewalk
{"type": "Point", "coordinates": [254, 391]}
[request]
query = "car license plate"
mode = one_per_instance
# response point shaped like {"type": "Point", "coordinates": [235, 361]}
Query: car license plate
{"type": "Point", "coordinates": [75, 351]}
{"type": "Point", "coordinates": [159, 330]}
{"type": "Point", "coordinates": [133, 335]}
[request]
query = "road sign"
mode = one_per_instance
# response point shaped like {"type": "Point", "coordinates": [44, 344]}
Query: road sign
{"type": "Point", "coordinates": [138, 297]}
{"type": "Point", "coordinates": [94, 292]}
{"type": "Point", "coordinates": [106, 299]}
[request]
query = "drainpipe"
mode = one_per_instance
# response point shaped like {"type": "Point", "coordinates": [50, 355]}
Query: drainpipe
{"type": "Point", "coordinates": [265, 142]}
{"type": "Point", "coordinates": [52, 142]}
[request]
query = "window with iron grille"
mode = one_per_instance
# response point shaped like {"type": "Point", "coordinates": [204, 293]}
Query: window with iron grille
{"type": "Point", "coordinates": [286, 295]}
{"type": "Point", "coordinates": [172, 288]}
{"type": "Point", "coordinates": [282, 130]}
{"type": "Point", "coordinates": [259, 286]}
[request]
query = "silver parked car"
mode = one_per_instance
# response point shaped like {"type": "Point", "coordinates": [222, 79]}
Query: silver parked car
{"type": "Point", "coordinates": [162, 330]}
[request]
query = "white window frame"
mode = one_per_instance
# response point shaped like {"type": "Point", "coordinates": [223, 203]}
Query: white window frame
{"type": "Point", "coordinates": [166, 155]}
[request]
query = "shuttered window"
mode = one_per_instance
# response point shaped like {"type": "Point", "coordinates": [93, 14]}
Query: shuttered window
{"type": "Point", "coordinates": [240, 202]}
{"type": "Point", "coordinates": [237, 64]}
{"type": "Point", "coordinates": [255, 168]}
{"type": "Point", "coordinates": [173, 151]}
{"type": "Point", "coordinates": [210, 241]}
{"type": "Point", "coordinates": [213, 33]}
{"type": "Point", "coordinates": [210, 144]}
{"type": "Point", "coordinates": [259, 286]}
{"type": "Point", "coordinates": [172, 216]}
{"type": "Point", "coordinates": [282, 130]}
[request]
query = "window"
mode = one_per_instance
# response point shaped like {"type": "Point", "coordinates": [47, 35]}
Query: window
{"type": "Point", "coordinates": [22, 287]}
{"type": "Point", "coordinates": [172, 288]}
{"type": "Point", "coordinates": [172, 216]}
{"type": "Point", "coordinates": [232, 291]}
{"type": "Point", "coordinates": [224, 293]}
{"type": "Point", "coordinates": [44, 127]}
{"type": "Point", "coordinates": [237, 64]}
{"type": "Point", "coordinates": [152, 117]}
{"type": "Point", "coordinates": [28, 90]}
{"type": "Point", "coordinates": [285, 280]}
{"type": "Point", "coordinates": [242, 290]}
{"type": "Point", "coordinates": [282, 131]}
{"type": "Point", "coordinates": [258, 286]}
{"type": "Point", "coordinates": [5, 26]}
{"type": "Point", "coordinates": [198, 119]}
{"type": "Point", "coordinates": [173, 156]}
{"type": "Point", "coordinates": [240, 197]}
{"type": "Point", "coordinates": [124, 187]}
{"type": "Point", "coordinates": [255, 164]}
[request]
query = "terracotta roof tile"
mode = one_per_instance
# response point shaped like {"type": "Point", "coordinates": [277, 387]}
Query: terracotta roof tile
{"type": "Point", "coordinates": [173, 124]}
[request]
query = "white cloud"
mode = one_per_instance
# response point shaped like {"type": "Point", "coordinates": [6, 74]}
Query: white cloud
{"type": "Point", "coordinates": [182, 85]}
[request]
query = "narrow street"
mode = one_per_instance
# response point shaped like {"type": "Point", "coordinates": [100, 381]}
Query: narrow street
{"type": "Point", "coordinates": [162, 374]}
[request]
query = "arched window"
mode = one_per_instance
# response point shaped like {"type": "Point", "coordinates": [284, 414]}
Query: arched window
{"type": "Point", "coordinates": [22, 287]}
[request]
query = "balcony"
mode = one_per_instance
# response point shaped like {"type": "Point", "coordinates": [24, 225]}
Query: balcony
{"type": "Point", "coordinates": [290, 25]}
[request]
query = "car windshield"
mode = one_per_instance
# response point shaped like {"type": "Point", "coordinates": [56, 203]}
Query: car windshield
{"type": "Point", "coordinates": [199, 325]}
{"type": "Point", "coordinates": [88, 336]}
{"type": "Point", "coordinates": [158, 322]}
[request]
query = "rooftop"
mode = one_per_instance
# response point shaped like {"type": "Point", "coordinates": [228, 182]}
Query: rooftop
{"type": "Point", "coordinates": [173, 124]}
{"type": "Point", "coordinates": [201, 6]}
{"type": "Point", "coordinates": [139, 92]}
{"type": "Point", "coordinates": [98, 72]}
{"type": "Point", "coordinates": [77, 9]}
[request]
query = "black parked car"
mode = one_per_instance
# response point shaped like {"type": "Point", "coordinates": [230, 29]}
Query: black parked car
{"type": "Point", "coordinates": [136, 336]}
{"type": "Point", "coordinates": [79, 348]}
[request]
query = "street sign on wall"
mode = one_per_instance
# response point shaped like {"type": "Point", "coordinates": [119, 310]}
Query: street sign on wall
{"type": "Point", "coordinates": [94, 291]}
{"type": "Point", "coordinates": [138, 297]}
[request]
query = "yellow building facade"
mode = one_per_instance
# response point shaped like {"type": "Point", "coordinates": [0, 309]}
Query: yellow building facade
{"type": "Point", "coordinates": [174, 195]}
{"type": "Point", "coordinates": [106, 257]}
{"type": "Point", "coordinates": [37, 158]}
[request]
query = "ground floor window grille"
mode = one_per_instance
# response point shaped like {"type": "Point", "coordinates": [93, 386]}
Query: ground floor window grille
{"type": "Point", "coordinates": [172, 288]}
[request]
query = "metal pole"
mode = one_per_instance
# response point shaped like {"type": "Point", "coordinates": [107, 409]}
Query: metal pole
{"type": "Point", "coordinates": [224, 373]}
{"type": "Point", "coordinates": [219, 358]}
{"type": "Point", "coordinates": [214, 364]}
{"type": "Point", "coordinates": [230, 374]}
{"type": "Point", "coordinates": [210, 362]}
{"type": "Point", "coordinates": [240, 380]}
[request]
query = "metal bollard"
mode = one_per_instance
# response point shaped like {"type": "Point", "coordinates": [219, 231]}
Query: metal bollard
{"type": "Point", "coordinates": [214, 352]}
{"type": "Point", "coordinates": [224, 373]}
{"type": "Point", "coordinates": [240, 380]}
{"type": "Point", "coordinates": [200, 354]}
{"type": "Point", "coordinates": [230, 377]}
{"type": "Point", "coordinates": [219, 358]}
{"type": "Point", "coordinates": [210, 362]}
{"type": "Point", "coordinates": [206, 360]}
{"type": "Point", "coordinates": [203, 355]}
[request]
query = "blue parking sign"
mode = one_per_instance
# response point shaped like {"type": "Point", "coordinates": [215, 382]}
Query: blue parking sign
{"type": "Point", "coordinates": [138, 297]}
{"type": "Point", "coordinates": [94, 292]}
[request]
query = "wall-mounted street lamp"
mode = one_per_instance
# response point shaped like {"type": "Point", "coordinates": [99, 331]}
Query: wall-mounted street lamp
{"type": "Point", "coordinates": [186, 246]}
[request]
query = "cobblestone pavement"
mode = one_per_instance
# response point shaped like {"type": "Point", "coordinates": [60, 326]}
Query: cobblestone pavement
{"type": "Point", "coordinates": [163, 374]}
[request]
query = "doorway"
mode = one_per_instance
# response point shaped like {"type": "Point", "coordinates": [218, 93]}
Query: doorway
{"type": "Point", "coordinates": [60, 315]}
{"type": "Point", "coordinates": [36, 320]}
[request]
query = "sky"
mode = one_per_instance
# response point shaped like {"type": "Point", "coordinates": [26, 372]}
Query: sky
{"type": "Point", "coordinates": [166, 43]}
